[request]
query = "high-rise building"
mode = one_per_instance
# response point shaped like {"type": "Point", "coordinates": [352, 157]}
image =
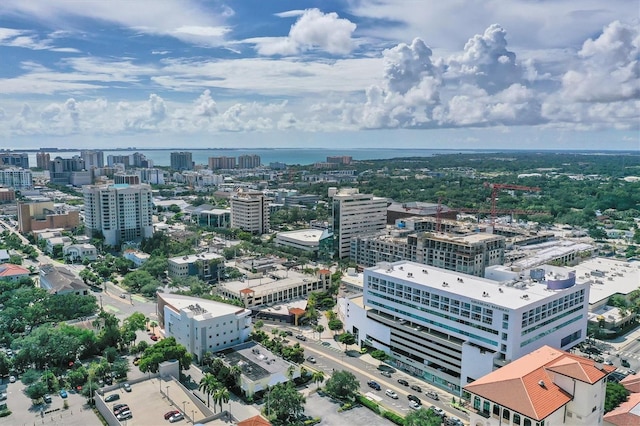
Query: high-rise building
{"type": "Point", "coordinates": [14, 160]}
{"type": "Point", "coordinates": [216, 163]}
{"type": "Point", "coordinates": [340, 159]}
{"type": "Point", "coordinates": [140, 160]}
{"type": "Point", "coordinates": [120, 212]}
{"type": "Point", "coordinates": [250, 212]}
{"type": "Point", "coordinates": [92, 159]}
{"type": "Point", "coordinates": [42, 160]}
{"type": "Point", "coordinates": [181, 160]}
{"type": "Point", "coordinates": [62, 171]}
{"type": "Point", "coordinates": [119, 159]}
{"type": "Point", "coordinates": [248, 161]}
{"type": "Point", "coordinates": [16, 178]}
{"type": "Point", "coordinates": [355, 214]}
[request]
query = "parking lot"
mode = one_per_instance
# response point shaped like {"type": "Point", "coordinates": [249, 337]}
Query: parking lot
{"type": "Point", "coordinates": [318, 406]}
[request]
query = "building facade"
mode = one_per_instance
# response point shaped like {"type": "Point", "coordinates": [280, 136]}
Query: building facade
{"type": "Point", "coordinates": [121, 212]}
{"type": "Point", "coordinates": [39, 215]}
{"type": "Point", "coordinates": [92, 159]}
{"type": "Point", "coordinates": [451, 329]}
{"type": "Point", "coordinates": [42, 160]}
{"type": "Point", "coordinates": [355, 214]}
{"type": "Point", "coordinates": [181, 160]}
{"type": "Point", "coordinates": [16, 178]}
{"type": "Point", "coordinates": [249, 161]}
{"type": "Point", "coordinates": [17, 160]}
{"type": "Point", "coordinates": [203, 325]}
{"type": "Point", "coordinates": [545, 387]}
{"type": "Point", "coordinates": [250, 212]}
{"type": "Point", "coordinates": [206, 266]}
{"type": "Point", "coordinates": [216, 163]}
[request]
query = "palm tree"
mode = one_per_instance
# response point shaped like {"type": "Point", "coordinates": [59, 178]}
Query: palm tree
{"type": "Point", "coordinates": [235, 372]}
{"type": "Point", "coordinates": [209, 384]}
{"type": "Point", "coordinates": [221, 396]}
{"type": "Point", "coordinates": [290, 372]}
{"type": "Point", "coordinates": [320, 329]}
{"type": "Point", "coordinates": [317, 377]}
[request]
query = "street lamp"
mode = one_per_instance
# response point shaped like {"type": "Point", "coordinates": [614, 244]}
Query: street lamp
{"type": "Point", "coordinates": [193, 416]}
{"type": "Point", "coordinates": [168, 394]}
{"type": "Point", "coordinates": [184, 409]}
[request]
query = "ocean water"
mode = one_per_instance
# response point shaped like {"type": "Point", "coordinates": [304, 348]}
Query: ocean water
{"type": "Point", "coordinates": [161, 157]}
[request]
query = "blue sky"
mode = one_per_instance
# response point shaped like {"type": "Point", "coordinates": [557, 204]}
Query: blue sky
{"type": "Point", "coordinates": [463, 74]}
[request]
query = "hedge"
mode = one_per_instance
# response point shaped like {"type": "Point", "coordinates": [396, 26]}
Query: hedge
{"type": "Point", "coordinates": [399, 420]}
{"type": "Point", "coordinates": [372, 405]}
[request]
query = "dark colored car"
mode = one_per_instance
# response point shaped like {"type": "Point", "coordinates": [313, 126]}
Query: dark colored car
{"type": "Point", "coordinates": [118, 406]}
{"type": "Point", "coordinates": [170, 414]}
{"type": "Point", "coordinates": [112, 397]}
{"type": "Point", "coordinates": [403, 382]}
{"type": "Point", "coordinates": [289, 332]}
{"type": "Point", "coordinates": [414, 399]}
{"type": "Point", "coordinates": [625, 363]}
{"type": "Point", "coordinates": [416, 388]}
{"type": "Point", "coordinates": [301, 337]}
{"type": "Point", "coordinates": [373, 384]}
{"type": "Point", "coordinates": [121, 410]}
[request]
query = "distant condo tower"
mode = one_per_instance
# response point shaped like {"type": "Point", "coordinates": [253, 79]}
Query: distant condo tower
{"type": "Point", "coordinates": [248, 161]}
{"type": "Point", "coordinates": [217, 163]}
{"type": "Point", "coordinates": [181, 160]}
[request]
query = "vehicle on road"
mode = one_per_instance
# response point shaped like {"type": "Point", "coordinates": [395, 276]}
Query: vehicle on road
{"type": "Point", "coordinates": [414, 405]}
{"type": "Point", "coordinates": [632, 371]}
{"type": "Point", "coordinates": [63, 393]}
{"type": "Point", "coordinates": [289, 332]}
{"type": "Point", "coordinates": [373, 384]}
{"type": "Point", "coordinates": [170, 414]}
{"type": "Point", "coordinates": [391, 394]}
{"type": "Point", "coordinates": [386, 374]}
{"type": "Point", "coordinates": [112, 397]}
{"type": "Point", "coordinates": [12, 379]}
{"type": "Point", "coordinates": [453, 421]}
{"type": "Point", "coordinates": [414, 399]}
{"type": "Point", "coordinates": [432, 395]}
{"type": "Point", "coordinates": [416, 388]}
{"type": "Point", "coordinates": [625, 363]}
{"type": "Point", "coordinates": [403, 382]}
{"type": "Point", "coordinates": [176, 418]}
{"type": "Point", "coordinates": [608, 362]}
{"type": "Point", "coordinates": [311, 359]}
{"type": "Point", "coordinates": [437, 410]}
{"type": "Point", "coordinates": [301, 337]}
{"type": "Point", "coordinates": [326, 344]}
{"type": "Point", "coordinates": [123, 296]}
{"type": "Point", "coordinates": [126, 387]}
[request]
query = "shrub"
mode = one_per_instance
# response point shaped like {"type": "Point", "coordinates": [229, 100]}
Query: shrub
{"type": "Point", "coordinates": [372, 405]}
{"type": "Point", "coordinates": [397, 419]}
{"type": "Point", "coordinates": [4, 413]}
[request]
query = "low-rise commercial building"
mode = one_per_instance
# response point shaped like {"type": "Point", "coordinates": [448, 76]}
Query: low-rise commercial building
{"type": "Point", "coordinates": [137, 257]}
{"type": "Point", "coordinates": [39, 215]}
{"type": "Point", "coordinates": [206, 266]}
{"type": "Point", "coordinates": [202, 325]}
{"type": "Point", "coordinates": [80, 252]}
{"type": "Point", "coordinates": [309, 240]}
{"type": "Point", "coordinates": [59, 280]}
{"type": "Point", "coordinates": [546, 387]}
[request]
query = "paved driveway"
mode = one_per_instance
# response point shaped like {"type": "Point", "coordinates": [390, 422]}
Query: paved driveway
{"type": "Point", "coordinates": [322, 407]}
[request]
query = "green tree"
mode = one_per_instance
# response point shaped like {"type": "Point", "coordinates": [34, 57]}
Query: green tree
{"type": "Point", "coordinates": [422, 417]}
{"type": "Point", "coordinates": [319, 329]}
{"type": "Point", "coordinates": [208, 385]}
{"type": "Point", "coordinates": [136, 280]}
{"type": "Point", "coordinates": [156, 266]}
{"type": "Point", "coordinates": [614, 396]}
{"type": "Point", "coordinates": [164, 350]}
{"type": "Point", "coordinates": [343, 385]}
{"type": "Point", "coordinates": [317, 377]}
{"type": "Point", "coordinates": [335, 324]}
{"type": "Point", "coordinates": [347, 339]}
{"type": "Point", "coordinates": [5, 364]}
{"type": "Point", "coordinates": [221, 396]}
{"type": "Point", "coordinates": [36, 390]}
{"type": "Point", "coordinates": [284, 404]}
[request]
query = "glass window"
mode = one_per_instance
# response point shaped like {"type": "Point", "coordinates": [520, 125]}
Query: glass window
{"type": "Point", "coordinates": [476, 403]}
{"type": "Point", "coordinates": [506, 414]}
{"type": "Point", "coordinates": [527, 422]}
{"type": "Point", "coordinates": [516, 419]}
{"type": "Point", "coordinates": [496, 409]}
{"type": "Point", "coordinates": [486, 406]}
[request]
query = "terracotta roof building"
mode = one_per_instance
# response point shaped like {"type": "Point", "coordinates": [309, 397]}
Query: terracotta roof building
{"type": "Point", "coordinates": [9, 271]}
{"type": "Point", "coordinates": [626, 414]}
{"type": "Point", "coordinates": [546, 387]}
{"type": "Point", "coordinates": [255, 421]}
{"type": "Point", "coordinates": [631, 383]}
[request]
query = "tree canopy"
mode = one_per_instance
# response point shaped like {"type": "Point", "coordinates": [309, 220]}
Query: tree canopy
{"type": "Point", "coordinates": [164, 350]}
{"type": "Point", "coordinates": [343, 385]}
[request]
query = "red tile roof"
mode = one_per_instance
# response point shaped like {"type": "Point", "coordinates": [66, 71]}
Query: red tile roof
{"type": "Point", "coordinates": [626, 414]}
{"type": "Point", "coordinates": [296, 311]}
{"type": "Point", "coordinates": [255, 421]}
{"type": "Point", "coordinates": [11, 270]}
{"type": "Point", "coordinates": [526, 384]}
{"type": "Point", "coordinates": [631, 383]}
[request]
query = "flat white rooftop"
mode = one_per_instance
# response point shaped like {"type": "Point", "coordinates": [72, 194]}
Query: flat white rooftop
{"type": "Point", "coordinates": [503, 293]}
{"type": "Point", "coordinates": [268, 283]}
{"type": "Point", "coordinates": [306, 235]}
{"type": "Point", "coordinates": [202, 308]}
{"type": "Point", "coordinates": [195, 257]}
{"type": "Point", "coordinates": [608, 277]}
{"type": "Point", "coordinates": [537, 254]}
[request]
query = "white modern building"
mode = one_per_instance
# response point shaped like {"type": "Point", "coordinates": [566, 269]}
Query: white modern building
{"type": "Point", "coordinates": [206, 266]}
{"type": "Point", "coordinates": [250, 212]}
{"type": "Point", "coordinates": [16, 178]}
{"type": "Point", "coordinates": [354, 215]}
{"type": "Point", "coordinates": [203, 325]}
{"type": "Point", "coordinates": [136, 256]}
{"type": "Point", "coordinates": [121, 212]}
{"type": "Point", "coordinates": [451, 329]}
{"type": "Point", "coordinates": [303, 239]}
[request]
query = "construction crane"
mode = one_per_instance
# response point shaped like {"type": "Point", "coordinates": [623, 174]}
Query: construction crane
{"type": "Point", "coordinates": [495, 187]}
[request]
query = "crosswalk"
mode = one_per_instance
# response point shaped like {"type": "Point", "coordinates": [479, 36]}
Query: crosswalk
{"type": "Point", "coordinates": [627, 355]}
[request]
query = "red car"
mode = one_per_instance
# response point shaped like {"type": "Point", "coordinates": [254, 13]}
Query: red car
{"type": "Point", "coordinates": [170, 414]}
{"type": "Point", "coordinates": [154, 338]}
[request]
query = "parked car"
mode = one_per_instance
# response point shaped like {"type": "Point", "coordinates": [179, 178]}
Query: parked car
{"type": "Point", "coordinates": [121, 410]}
{"type": "Point", "coordinates": [125, 415]}
{"type": "Point", "coordinates": [373, 384]}
{"type": "Point", "coordinates": [403, 382]}
{"type": "Point", "coordinates": [311, 359]}
{"type": "Point", "coordinates": [432, 395]}
{"type": "Point", "coordinates": [136, 360]}
{"type": "Point", "coordinates": [116, 407]}
{"type": "Point", "coordinates": [301, 337]}
{"type": "Point", "coordinates": [632, 371]}
{"type": "Point", "coordinates": [47, 399]}
{"type": "Point", "coordinates": [12, 379]}
{"type": "Point", "coordinates": [453, 421]}
{"type": "Point", "coordinates": [414, 399]}
{"type": "Point", "coordinates": [3, 396]}
{"type": "Point", "coordinates": [608, 362]}
{"type": "Point", "coordinates": [170, 414]}
{"type": "Point", "coordinates": [386, 374]}
{"type": "Point", "coordinates": [176, 418]}
{"type": "Point", "coordinates": [154, 337]}
{"type": "Point", "coordinates": [63, 393]}
{"type": "Point", "coordinates": [391, 394]}
{"type": "Point", "coordinates": [416, 388]}
{"type": "Point", "coordinates": [126, 387]}
{"type": "Point", "coordinates": [112, 397]}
